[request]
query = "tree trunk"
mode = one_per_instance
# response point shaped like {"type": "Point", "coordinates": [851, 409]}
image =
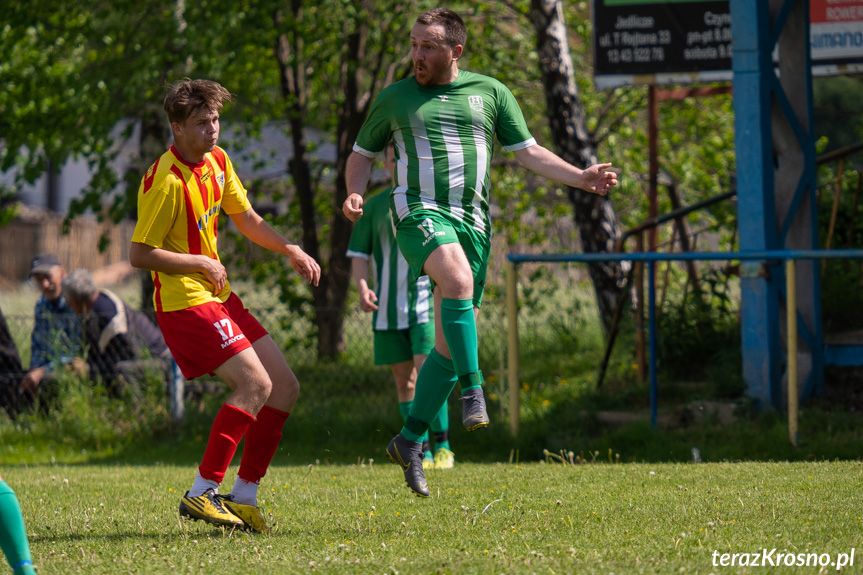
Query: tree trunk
{"type": "Point", "coordinates": [684, 233]}
{"type": "Point", "coordinates": [351, 115]}
{"type": "Point", "coordinates": [331, 293]}
{"type": "Point", "coordinates": [594, 214]}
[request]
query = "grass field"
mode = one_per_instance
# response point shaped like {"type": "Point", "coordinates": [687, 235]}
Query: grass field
{"type": "Point", "coordinates": [100, 480]}
{"type": "Point", "coordinates": [481, 518]}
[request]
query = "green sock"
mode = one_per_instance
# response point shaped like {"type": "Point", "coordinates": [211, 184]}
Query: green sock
{"type": "Point", "coordinates": [459, 328]}
{"type": "Point", "coordinates": [13, 537]}
{"type": "Point", "coordinates": [440, 427]}
{"type": "Point", "coordinates": [434, 384]}
{"type": "Point", "coordinates": [405, 409]}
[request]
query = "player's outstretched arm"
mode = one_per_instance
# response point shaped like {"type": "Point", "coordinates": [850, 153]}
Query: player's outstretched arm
{"type": "Point", "coordinates": [597, 179]}
{"type": "Point", "coordinates": [357, 173]}
{"type": "Point", "coordinates": [146, 257]}
{"type": "Point", "coordinates": [254, 227]}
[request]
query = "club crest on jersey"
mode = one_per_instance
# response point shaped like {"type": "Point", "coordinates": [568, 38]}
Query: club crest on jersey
{"type": "Point", "coordinates": [221, 179]}
{"type": "Point", "coordinates": [475, 102]}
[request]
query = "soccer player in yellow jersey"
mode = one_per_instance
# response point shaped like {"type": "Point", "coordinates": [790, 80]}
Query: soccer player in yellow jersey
{"type": "Point", "coordinates": [205, 325]}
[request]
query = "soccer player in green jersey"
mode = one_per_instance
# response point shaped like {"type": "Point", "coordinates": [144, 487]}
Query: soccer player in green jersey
{"type": "Point", "coordinates": [402, 314]}
{"type": "Point", "coordinates": [443, 121]}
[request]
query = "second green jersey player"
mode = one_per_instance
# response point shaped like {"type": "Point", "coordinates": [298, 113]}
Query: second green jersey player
{"type": "Point", "coordinates": [402, 315]}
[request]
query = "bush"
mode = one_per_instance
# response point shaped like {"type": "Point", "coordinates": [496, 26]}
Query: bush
{"type": "Point", "coordinates": [699, 333]}
{"type": "Point", "coordinates": [85, 417]}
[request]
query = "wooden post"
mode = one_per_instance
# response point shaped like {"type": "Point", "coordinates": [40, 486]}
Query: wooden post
{"type": "Point", "coordinates": [512, 346]}
{"type": "Point", "coordinates": [176, 393]}
{"type": "Point", "coordinates": [835, 211]}
{"type": "Point", "coordinates": [850, 239]}
{"type": "Point", "coordinates": [639, 313]}
{"type": "Point", "coordinates": [791, 312]}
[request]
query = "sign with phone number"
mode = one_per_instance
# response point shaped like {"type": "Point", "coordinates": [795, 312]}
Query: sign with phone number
{"type": "Point", "coordinates": [636, 40]}
{"type": "Point", "coordinates": [685, 41]}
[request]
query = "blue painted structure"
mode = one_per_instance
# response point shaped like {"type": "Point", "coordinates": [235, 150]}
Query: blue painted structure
{"type": "Point", "coordinates": [775, 187]}
{"type": "Point", "coordinates": [776, 258]}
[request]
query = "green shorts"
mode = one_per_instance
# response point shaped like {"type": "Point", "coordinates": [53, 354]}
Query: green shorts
{"type": "Point", "coordinates": [421, 232]}
{"type": "Point", "coordinates": [398, 345]}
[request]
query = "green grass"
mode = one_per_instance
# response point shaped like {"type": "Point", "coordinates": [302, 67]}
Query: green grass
{"type": "Point", "coordinates": [100, 479]}
{"type": "Point", "coordinates": [481, 518]}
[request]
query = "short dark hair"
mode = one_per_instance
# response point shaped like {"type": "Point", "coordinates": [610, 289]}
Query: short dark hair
{"type": "Point", "coordinates": [455, 32]}
{"type": "Point", "coordinates": [187, 97]}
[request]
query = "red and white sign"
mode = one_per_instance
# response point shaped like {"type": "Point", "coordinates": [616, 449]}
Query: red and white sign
{"type": "Point", "coordinates": [836, 31]}
{"type": "Point", "coordinates": [831, 11]}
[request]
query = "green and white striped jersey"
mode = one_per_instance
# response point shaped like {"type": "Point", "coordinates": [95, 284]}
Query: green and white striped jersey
{"type": "Point", "coordinates": [444, 137]}
{"type": "Point", "coordinates": [402, 302]}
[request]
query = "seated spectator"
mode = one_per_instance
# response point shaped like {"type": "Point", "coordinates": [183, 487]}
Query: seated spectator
{"type": "Point", "coordinates": [11, 371]}
{"type": "Point", "coordinates": [123, 345]}
{"type": "Point", "coordinates": [55, 342]}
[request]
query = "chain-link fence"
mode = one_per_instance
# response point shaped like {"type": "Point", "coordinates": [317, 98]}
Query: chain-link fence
{"type": "Point", "coordinates": [352, 372]}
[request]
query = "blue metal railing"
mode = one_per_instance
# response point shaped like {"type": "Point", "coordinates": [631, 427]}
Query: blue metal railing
{"type": "Point", "coordinates": [650, 258]}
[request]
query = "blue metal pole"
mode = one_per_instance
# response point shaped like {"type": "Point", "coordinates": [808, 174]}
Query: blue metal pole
{"type": "Point", "coordinates": [832, 356]}
{"type": "Point", "coordinates": [744, 255]}
{"type": "Point", "coordinates": [651, 329]}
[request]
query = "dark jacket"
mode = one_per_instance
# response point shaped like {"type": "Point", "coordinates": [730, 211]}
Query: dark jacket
{"type": "Point", "coordinates": [114, 332]}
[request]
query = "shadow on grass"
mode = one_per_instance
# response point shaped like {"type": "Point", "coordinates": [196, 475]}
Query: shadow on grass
{"type": "Point", "coordinates": [106, 538]}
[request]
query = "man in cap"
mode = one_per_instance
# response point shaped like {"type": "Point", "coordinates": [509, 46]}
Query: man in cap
{"type": "Point", "coordinates": [55, 342]}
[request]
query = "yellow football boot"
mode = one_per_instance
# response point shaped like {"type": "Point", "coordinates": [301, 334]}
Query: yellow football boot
{"type": "Point", "coordinates": [444, 459]}
{"type": "Point", "coordinates": [250, 515]}
{"type": "Point", "coordinates": [207, 507]}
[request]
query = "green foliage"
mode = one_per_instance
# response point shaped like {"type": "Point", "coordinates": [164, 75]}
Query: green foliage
{"type": "Point", "coordinates": [841, 298]}
{"type": "Point", "coordinates": [696, 140]}
{"type": "Point", "coordinates": [84, 419]}
{"type": "Point", "coordinates": [837, 110]}
{"type": "Point", "coordinates": [85, 69]}
{"type": "Point", "coordinates": [841, 302]}
{"type": "Point", "coordinates": [8, 205]}
{"type": "Point", "coordinates": [81, 69]}
{"type": "Point", "coordinates": [694, 331]}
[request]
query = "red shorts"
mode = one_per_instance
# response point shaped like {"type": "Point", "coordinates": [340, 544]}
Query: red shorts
{"type": "Point", "coordinates": [203, 337]}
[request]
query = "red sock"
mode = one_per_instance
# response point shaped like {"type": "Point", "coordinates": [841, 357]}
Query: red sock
{"type": "Point", "coordinates": [262, 440]}
{"type": "Point", "coordinates": [229, 427]}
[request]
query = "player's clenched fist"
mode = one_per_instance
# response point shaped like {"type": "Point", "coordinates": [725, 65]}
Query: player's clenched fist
{"type": "Point", "coordinates": [353, 207]}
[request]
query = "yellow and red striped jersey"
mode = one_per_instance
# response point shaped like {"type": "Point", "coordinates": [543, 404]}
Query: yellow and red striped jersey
{"type": "Point", "coordinates": [178, 208]}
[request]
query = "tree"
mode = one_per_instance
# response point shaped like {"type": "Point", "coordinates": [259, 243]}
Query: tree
{"type": "Point", "coordinates": [354, 56]}
{"type": "Point", "coordinates": [73, 72]}
{"type": "Point", "coordinates": [594, 215]}
{"type": "Point", "coordinates": [84, 70]}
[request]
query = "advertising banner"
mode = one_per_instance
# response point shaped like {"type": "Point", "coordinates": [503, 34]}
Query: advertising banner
{"type": "Point", "coordinates": [685, 41]}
